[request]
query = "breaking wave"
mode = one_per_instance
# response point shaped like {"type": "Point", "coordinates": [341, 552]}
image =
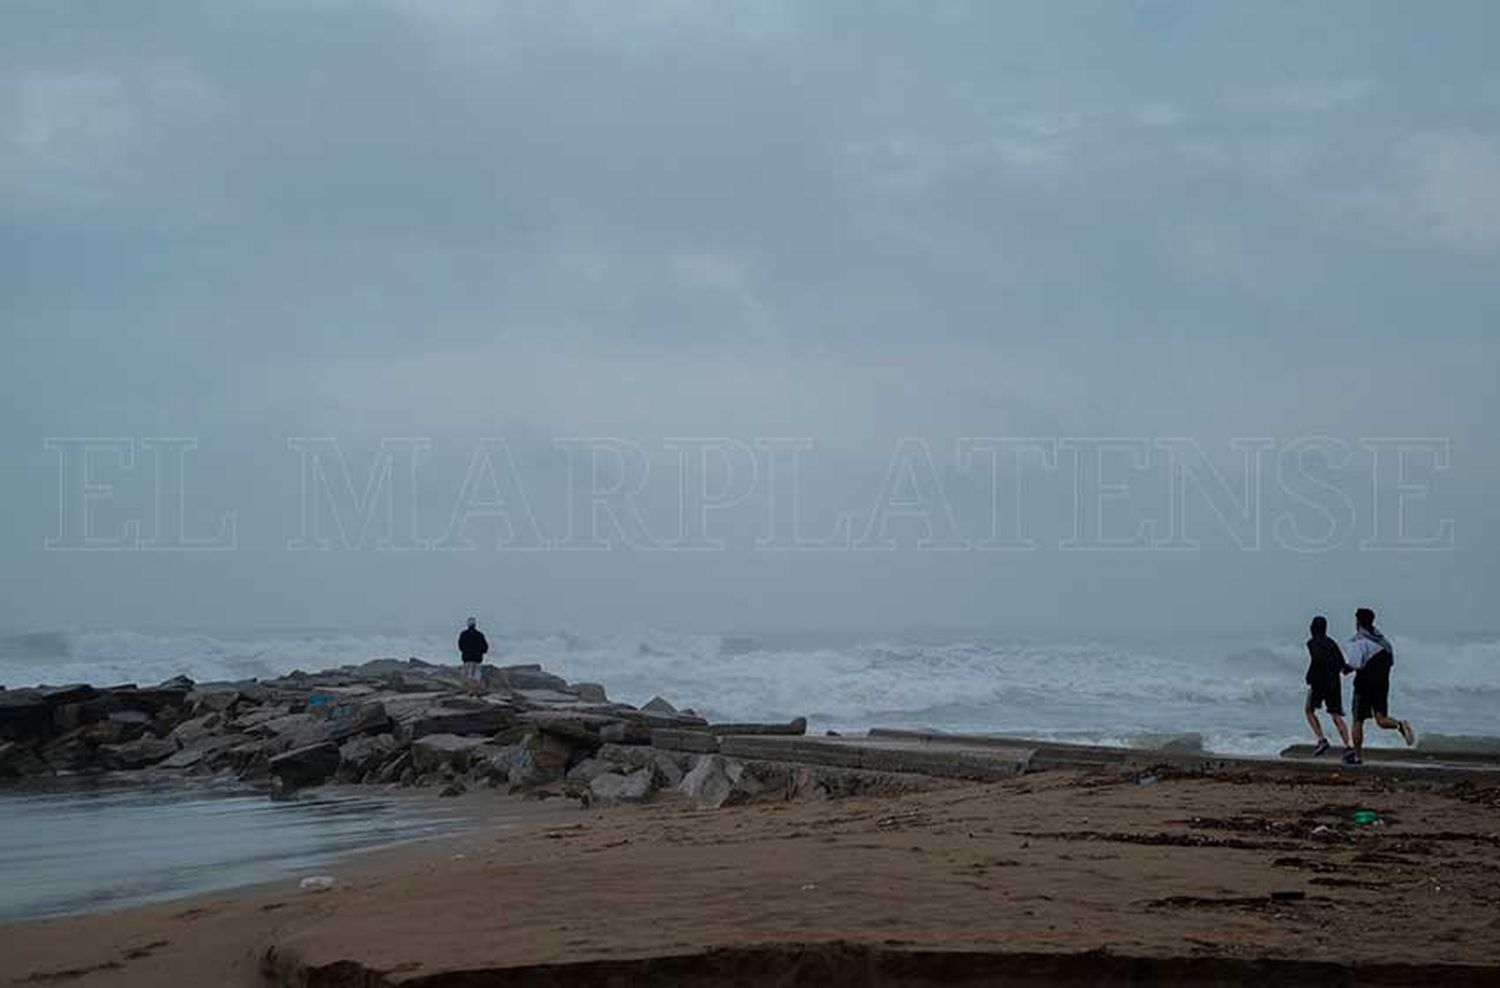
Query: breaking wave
{"type": "Point", "coordinates": [1240, 697]}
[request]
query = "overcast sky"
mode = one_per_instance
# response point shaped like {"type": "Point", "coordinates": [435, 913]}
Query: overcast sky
{"type": "Point", "coordinates": [855, 223]}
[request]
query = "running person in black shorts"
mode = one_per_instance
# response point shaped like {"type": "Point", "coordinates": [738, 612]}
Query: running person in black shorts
{"type": "Point", "coordinates": [1371, 657]}
{"type": "Point", "coordinates": [1325, 664]}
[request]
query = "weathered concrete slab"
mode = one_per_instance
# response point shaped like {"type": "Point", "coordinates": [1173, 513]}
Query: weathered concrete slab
{"type": "Point", "coordinates": [700, 742]}
{"type": "Point", "coordinates": [1406, 755]}
{"type": "Point", "coordinates": [978, 763]}
{"type": "Point", "coordinates": [797, 726]}
{"type": "Point", "coordinates": [1054, 756]}
{"type": "Point", "coordinates": [1046, 754]}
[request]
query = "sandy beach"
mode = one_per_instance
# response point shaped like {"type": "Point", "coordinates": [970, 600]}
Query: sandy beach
{"type": "Point", "coordinates": [1051, 878]}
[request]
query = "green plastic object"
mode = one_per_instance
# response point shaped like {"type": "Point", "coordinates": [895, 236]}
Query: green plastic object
{"type": "Point", "coordinates": [1366, 817]}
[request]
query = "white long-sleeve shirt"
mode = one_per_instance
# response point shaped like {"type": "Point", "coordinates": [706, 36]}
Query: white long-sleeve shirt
{"type": "Point", "coordinates": [1360, 650]}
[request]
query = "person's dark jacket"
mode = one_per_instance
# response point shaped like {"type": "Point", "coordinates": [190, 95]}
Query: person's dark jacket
{"type": "Point", "coordinates": [472, 645]}
{"type": "Point", "coordinates": [1325, 661]}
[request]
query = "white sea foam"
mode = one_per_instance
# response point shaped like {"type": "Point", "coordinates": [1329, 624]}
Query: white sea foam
{"type": "Point", "coordinates": [1242, 697]}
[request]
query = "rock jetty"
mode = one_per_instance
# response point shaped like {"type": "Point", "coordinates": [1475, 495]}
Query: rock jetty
{"type": "Point", "coordinates": [394, 722]}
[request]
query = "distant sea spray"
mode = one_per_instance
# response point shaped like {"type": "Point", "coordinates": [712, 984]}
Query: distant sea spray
{"type": "Point", "coordinates": [1241, 696]}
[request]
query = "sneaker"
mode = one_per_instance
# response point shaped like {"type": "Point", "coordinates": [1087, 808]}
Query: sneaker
{"type": "Point", "coordinates": [1321, 748]}
{"type": "Point", "coordinates": [1351, 758]}
{"type": "Point", "coordinates": [1407, 734]}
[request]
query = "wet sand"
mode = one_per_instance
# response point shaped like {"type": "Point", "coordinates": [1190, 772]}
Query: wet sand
{"type": "Point", "coordinates": [1053, 878]}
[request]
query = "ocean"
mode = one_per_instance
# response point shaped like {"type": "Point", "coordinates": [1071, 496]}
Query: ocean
{"type": "Point", "coordinates": [1242, 696]}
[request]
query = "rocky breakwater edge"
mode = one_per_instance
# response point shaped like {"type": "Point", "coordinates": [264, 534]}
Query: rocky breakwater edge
{"type": "Point", "coordinates": [408, 723]}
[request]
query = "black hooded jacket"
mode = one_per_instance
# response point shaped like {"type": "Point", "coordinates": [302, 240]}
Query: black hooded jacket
{"type": "Point", "coordinates": [1325, 661]}
{"type": "Point", "coordinates": [472, 645]}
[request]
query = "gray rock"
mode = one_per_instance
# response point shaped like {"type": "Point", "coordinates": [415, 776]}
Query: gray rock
{"type": "Point", "coordinates": [139, 753]}
{"type": "Point", "coordinates": [435, 752]}
{"type": "Point", "coordinates": [626, 732]}
{"type": "Point", "coordinates": [795, 727]}
{"type": "Point", "coordinates": [708, 783]}
{"type": "Point", "coordinates": [677, 740]}
{"type": "Point", "coordinates": [193, 730]}
{"type": "Point", "coordinates": [666, 767]}
{"type": "Point", "coordinates": [586, 771]}
{"type": "Point", "coordinates": [67, 717]}
{"type": "Point", "coordinates": [257, 716]}
{"type": "Point", "coordinates": [669, 772]}
{"type": "Point", "coordinates": [306, 766]}
{"type": "Point", "coordinates": [346, 720]}
{"type": "Point", "coordinates": [534, 760]}
{"type": "Point", "coordinates": [590, 692]}
{"type": "Point", "coordinates": [205, 750]}
{"type": "Point", "coordinates": [486, 719]}
{"type": "Point", "coordinates": [527, 677]}
{"type": "Point", "coordinates": [127, 725]}
{"type": "Point", "coordinates": [545, 697]}
{"type": "Point", "coordinates": [360, 755]}
{"type": "Point", "coordinates": [392, 770]}
{"type": "Point", "coordinates": [151, 701]}
{"type": "Point", "coordinates": [611, 788]}
{"type": "Point", "coordinates": [69, 752]}
{"type": "Point", "coordinates": [76, 693]}
{"type": "Point", "coordinates": [24, 716]}
{"type": "Point", "coordinates": [17, 759]}
{"type": "Point", "coordinates": [657, 705]}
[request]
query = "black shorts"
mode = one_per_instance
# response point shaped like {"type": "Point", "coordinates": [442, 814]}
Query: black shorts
{"type": "Point", "coordinates": [1371, 699]}
{"type": "Point", "coordinates": [1329, 696]}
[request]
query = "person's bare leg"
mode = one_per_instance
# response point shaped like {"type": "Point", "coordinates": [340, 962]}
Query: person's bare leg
{"type": "Point", "coordinates": [1393, 724]}
{"type": "Point", "coordinates": [1343, 729]}
{"type": "Point", "coordinates": [1359, 739]}
{"type": "Point", "coordinates": [1312, 721]}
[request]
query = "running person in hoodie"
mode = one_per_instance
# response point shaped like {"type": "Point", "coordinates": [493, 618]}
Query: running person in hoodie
{"type": "Point", "coordinates": [1370, 656]}
{"type": "Point", "coordinates": [1324, 688]}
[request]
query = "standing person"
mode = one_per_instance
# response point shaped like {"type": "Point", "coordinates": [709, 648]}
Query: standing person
{"type": "Point", "coordinates": [1370, 656]}
{"type": "Point", "coordinates": [1324, 689]}
{"type": "Point", "coordinates": [472, 647]}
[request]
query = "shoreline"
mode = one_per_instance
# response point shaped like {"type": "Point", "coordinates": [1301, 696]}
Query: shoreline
{"type": "Point", "coordinates": [1066, 877]}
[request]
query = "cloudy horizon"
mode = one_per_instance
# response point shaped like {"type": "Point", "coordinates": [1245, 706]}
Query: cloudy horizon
{"type": "Point", "coordinates": [856, 225]}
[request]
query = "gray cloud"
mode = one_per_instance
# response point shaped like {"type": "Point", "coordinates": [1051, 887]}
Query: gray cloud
{"type": "Point", "coordinates": [853, 222]}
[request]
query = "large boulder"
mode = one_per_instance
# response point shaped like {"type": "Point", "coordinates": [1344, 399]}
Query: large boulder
{"type": "Point", "coordinates": [58, 695]}
{"type": "Point", "coordinates": [586, 771]}
{"type": "Point", "coordinates": [659, 705]}
{"type": "Point", "coordinates": [611, 788]}
{"type": "Point", "coordinates": [589, 692]}
{"type": "Point", "coordinates": [359, 756]}
{"type": "Point", "coordinates": [215, 698]}
{"type": "Point", "coordinates": [70, 752]}
{"type": "Point", "coordinates": [135, 754]}
{"type": "Point", "coordinates": [666, 768]}
{"type": "Point", "coordinates": [673, 739]}
{"type": "Point", "coordinates": [151, 701]}
{"type": "Point", "coordinates": [209, 750]}
{"type": "Point", "coordinates": [18, 759]}
{"type": "Point", "coordinates": [436, 752]}
{"type": "Point", "coordinates": [329, 723]}
{"type": "Point", "coordinates": [535, 760]}
{"type": "Point", "coordinates": [306, 766]}
{"type": "Point", "coordinates": [191, 731]}
{"type": "Point", "coordinates": [24, 716]}
{"type": "Point", "coordinates": [352, 718]}
{"type": "Point", "coordinates": [716, 781]}
{"type": "Point", "coordinates": [256, 716]}
{"type": "Point", "coordinates": [483, 718]}
{"type": "Point", "coordinates": [524, 677]}
{"type": "Point", "coordinates": [626, 732]}
{"type": "Point", "coordinates": [797, 727]}
{"type": "Point", "coordinates": [126, 725]}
